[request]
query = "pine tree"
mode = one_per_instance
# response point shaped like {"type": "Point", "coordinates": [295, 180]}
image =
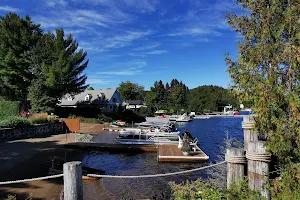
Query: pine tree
{"type": "Point", "coordinates": [59, 68]}
{"type": "Point", "coordinates": [18, 36]}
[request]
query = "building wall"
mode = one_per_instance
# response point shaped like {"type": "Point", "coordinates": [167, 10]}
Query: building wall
{"type": "Point", "coordinates": [112, 106]}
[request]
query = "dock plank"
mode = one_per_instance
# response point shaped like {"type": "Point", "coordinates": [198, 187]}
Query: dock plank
{"type": "Point", "coordinates": [112, 147]}
{"type": "Point", "coordinates": [171, 153]}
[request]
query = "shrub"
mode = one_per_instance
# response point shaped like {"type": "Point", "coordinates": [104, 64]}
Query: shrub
{"type": "Point", "coordinates": [41, 120]}
{"type": "Point", "coordinates": [14, 121]}
{"type": "Point", "coordinates": [208, 190]}
{"type": "Point", "coordinates": [104, 118]}
{"type": "Point", "coordinates": [9, 108]}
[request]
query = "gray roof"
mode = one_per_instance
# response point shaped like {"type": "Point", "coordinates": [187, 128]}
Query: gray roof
{"type": "Point", "coordinates": [80, 98]}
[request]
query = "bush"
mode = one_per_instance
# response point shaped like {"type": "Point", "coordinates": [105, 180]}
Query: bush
{"type": "Point", "coordinates": [208, 190]}
{"type": "Point", "coordinates": [41, 120]}
{"type": "Point", "coordinates": [9, 108]}
{"type": "Point", "coordinates": [13, 122]}
{"type": "Point", "coordinates": [87, 120]}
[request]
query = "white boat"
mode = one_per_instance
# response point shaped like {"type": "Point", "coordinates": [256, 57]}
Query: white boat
{"type": "Point", "coordinates": [184, 118]}
{"type": "Point", "coordinates": [152, 124]}
{"type": "Point", "coordinates": [157, 119]}
{"type": "Point", "coordinates": [202, 117]}
{"type": "Point", "coordinates": [162, 132]}
{"type": "Point", "coordinates": [147, 138]}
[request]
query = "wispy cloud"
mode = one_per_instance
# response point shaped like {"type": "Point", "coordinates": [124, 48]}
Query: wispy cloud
{"type": "Point", "coordinates": [98, 81]}
{"type": "Point", "coordinates": [156, 52]}
{"type": "Point", "coordinates": [125, 39]}
{"type": "Point", "coordinates": [53, 3]}
{"type": "Point", "coordinates": [147, 47]}
{"type": "Point", "coordinates": [9, 9]}
{"type": "Point", "coordinates": [143, 6]}
{"type": "Point", "coordinates": [195, 32]}
{"type": "Point", "coordinates": [129, 68]}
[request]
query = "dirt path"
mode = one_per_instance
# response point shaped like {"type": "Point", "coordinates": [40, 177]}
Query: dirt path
{"type": "Point", "coordinates": [31, 158]}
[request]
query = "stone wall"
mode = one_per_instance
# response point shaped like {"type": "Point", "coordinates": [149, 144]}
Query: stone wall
{"type": "Point", "coordinates": [35, 131]}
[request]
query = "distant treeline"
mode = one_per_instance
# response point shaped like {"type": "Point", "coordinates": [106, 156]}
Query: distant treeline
{"type": "Point", "coordinates": [177, 97]}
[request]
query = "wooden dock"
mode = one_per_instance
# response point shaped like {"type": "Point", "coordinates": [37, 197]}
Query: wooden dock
{"type": "Point", "coordinates": [113, 147]}
{"type": "Point", "coordinates": [171, 153]}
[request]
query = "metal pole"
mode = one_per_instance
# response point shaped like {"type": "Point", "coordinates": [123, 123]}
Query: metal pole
{"type": "Point", "coordinates": [73, 181]}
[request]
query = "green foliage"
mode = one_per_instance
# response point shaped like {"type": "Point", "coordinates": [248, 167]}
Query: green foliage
{"type": "Point", "coordinates": [40, 99]}
{"type": "Point", "coordinates": [14, 122]}
{"type": "Point", "coordinates": [289, 185]}
{"type": "Point", "coordinates": [143, 111]}
{"type": "Point", "coordinates": [163, 96]}
{"type": "Point", "coordinates": [17, 38]}
{"type": "Point", "coordinates": [90, 88]}
{"type": "Point", "coordinates": [58, 69]}
{"type": "Point", "coordinates": [267, 73]}
{"type": "Point", "coordinates": [199, 190]}
{"type": "Point", "coordinates": [43, 67]}
{"type": "Point", "coordinates": [9, 108]}
{"type": "Point", "coordinates": [99, 120]}
{"type": "Point", "coordinates": [210, 98]}
{"type": "Point", "coordinates": [42, 120]}
{"type": "Point", "coordinates": [131, 91]}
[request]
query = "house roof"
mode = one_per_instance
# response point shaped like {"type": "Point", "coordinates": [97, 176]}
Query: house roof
{"type": "Point", "coordinates": [80, 98]}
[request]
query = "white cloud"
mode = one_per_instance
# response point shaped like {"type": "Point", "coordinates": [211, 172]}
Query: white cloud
{"type": "Point", "coordinates": [53, 3]}
{"type": "Point", "coordinates": [9, 9]}
{"type": "Point", "coordinates": [147, 47]}
{"type": "Point", "coordinates": [195, 32]}
{"type": "Point", "coordinates": [129, 68]}
{"type": "Point", "coordinates": [156, 52]}
{"type": "Point", "coordinates": [136, 54]}
{"type": "Point", "coordinates": [143, 6]}
{"type": "Point", "coordinates": [98, 81]}
{"type": "Point", "coordinates": [123, 40]}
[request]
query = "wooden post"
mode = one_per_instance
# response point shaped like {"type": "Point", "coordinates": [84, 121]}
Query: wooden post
{"type": "Point", "coordinates": [236, 161]}
{"type": "Point", "coordinates": [250, 135]}
{"type": "Point", "coordinates": [73, 181]}
{"type": "Point", "coordinates": [258, 167]}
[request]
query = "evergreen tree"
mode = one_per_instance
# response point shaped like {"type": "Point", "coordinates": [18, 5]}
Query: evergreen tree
{"type": "Point", "coordinates": [18, 36]}
{"type": "Point", "coordinates": [267, 73]}
{"type": "Point", "coordinates": [59, 68]}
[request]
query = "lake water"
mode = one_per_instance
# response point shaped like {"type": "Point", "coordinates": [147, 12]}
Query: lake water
{"type": "Point", "coordinates": [211, 133]}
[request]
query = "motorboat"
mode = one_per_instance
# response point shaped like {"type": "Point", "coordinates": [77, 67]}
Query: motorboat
{"type": "Point", "coordinates": [162, 119]}
{"type": "Point", "coordinates": [150, 136]}
{"type": "Point", "coordinates": [202, 117]}
{"type": "Point", "coordinates": [184, 118]}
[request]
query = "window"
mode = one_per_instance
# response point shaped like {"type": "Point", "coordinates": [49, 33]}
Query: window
{"type": "Point", "coordinates": [87, 97]}
{"type": "Point", "coordinates": [70, 98]}
{"type": "Point", "coordinates": [114, 100]}
{"type": "Point", "coordinates": [101, 96]}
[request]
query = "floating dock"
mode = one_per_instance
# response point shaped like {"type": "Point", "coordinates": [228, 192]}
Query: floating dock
{"type": "Point", "coordinates": [171, 153]}
{"type": "Point", "coordinates": [165, 152]}
{"type": "Point", "coordinates": [113, 147]}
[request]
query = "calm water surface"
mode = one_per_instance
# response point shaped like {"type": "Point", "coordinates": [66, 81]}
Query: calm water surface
{"type": "Point", "coordinates": [210, 133]}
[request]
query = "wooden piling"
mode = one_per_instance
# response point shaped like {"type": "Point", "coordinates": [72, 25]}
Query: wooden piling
{"type": "Point", "coordinates": [236, 161]}
{"type": "Point", "coordinates": [258, 167]}
{"type": "Point", "coordinates": [73, 181]}
{"type": "Point", "coordinates": [250, 134]}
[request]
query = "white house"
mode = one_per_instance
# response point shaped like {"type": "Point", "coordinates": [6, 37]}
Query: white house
{"type": "Point", "coordinates": [107, 100]}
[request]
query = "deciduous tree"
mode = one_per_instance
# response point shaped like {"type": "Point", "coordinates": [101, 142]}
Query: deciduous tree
{"type": "Point", "coordinates": [267, 73]}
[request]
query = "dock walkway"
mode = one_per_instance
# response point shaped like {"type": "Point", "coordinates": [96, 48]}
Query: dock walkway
{"type": "Point", "coordinates": [171, 153]}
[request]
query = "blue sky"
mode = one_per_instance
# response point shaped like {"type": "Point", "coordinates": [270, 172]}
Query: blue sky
{"type": "Point", "coordinates": [142, 40]}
